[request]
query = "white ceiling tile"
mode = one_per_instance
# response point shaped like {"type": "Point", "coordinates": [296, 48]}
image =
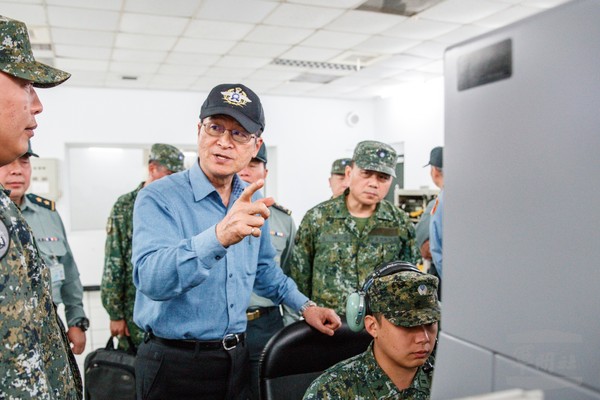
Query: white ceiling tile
{"type": "Point", "coordinates": [114, 5]}
{"type": "Point", "coordinates": [83, 37]}
{"type": "Point", "coordinates": [250, 11]}
{"type": "Point", "coordinates": [245, 62]}
{"type": "Point", "coordinates": [206, 83]}
{"type": "Point", "coordinates": [462, 11]}
{"type": "Point", "coordinates": [419, 29]}
{"type": "Point", "coordinates": [183, 8]}
{"type": "Point", "coordinates": [258, 49]}
{"type": "Point", "coordinates": [31, 14]}
{"type": "Point", "coordinates": [463, 33]}
{"type": "Point", "coordinates": [152, 24]}
{"type": "Point", "coordinates": [3, 2]}
{"type": "Point", "coordinates": [277, 35]}
{"type": "Point", "coordinates": [191, 59]}
{"type": "Point", "coordinates": [507, 16]}
{"type": "Point", "coordinates": [351, 80]}
{"type": "Point", "coordinates": [294, 15]}
{"type": "Point", "coordinates": [86, 78]}
{"type": "Point", "coordinates": [144, 42]}
{"type": "Point", "coordinates": [141, 56]}
{"type": "Point", "coordinates": [334, 40]}
{"type": "Point", "coordinates": [116, 80]}
{"type": "Point", "coordinates": [133, 68]}
{"type": "Point", "coordinates": [403, 62]}
{"type": "Point", "coordinates": [80, 18]}
{"type": "Point", "coordinates": [228, 74]}
{"type": "Point", "coordinates": [202, 46]}
{"type": "Point", "coordinates": [358, 21]}
{"type": "Point", "coordinates": [431, 50]}
{"type": "Point", "coordinates": [543, 3]}
{"type": "Point", "coordinates": [415, 76]}
{"type": "Point", "coordinates": [170, 79]}
{"type": "Point", "coordinates": [386, 45]}
{"type": "Point", "coordinates": [83, 52]}
{"type": "Point", "coordinates": [509, 1]}
{"type": "Point", "coordinates": [261, 86]}
{"type": "Point", "coordinates": [71, 64]}
{"type": "Point", "coordinates": [376, 72]}
{"type": "Point", "coordinates": [435, 67]}
{"type": "Point", "coordinates": [178, 69]}
{"type": "Point", "coordinates": [347, 4]}
{"type": "Point", "coordinates": [40, 35]}
{"type": "Point", "coordinates": [310, 54]}
{"type": "Point", "coordinates": [206, 29]}
{"type": "Point", "coordinates": [273, 73]}
{"type": "Point", "coordinates": [293, 88]}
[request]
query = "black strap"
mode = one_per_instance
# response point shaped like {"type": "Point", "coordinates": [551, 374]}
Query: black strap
{"type": "Point", "coordinates": [110, 345]}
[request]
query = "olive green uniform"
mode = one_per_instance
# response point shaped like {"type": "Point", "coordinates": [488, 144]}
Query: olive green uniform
{"type": "Point", "coordinates": [51, 239]}
{"type": "Point", "coordinates": [332, 257]}
{"type": "Point", "coordinates": [361, 378]}
{"type": "Point", "coordinates": [117, 288]}
{"type": "Point", "coordinates": [35, 359]}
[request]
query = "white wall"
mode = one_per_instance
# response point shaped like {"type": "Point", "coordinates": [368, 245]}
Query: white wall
{"type": "Point", "coordinates": [308, 134]}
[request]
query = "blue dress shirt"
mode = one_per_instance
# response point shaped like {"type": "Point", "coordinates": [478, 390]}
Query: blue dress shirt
{"type": "Point", "coordinates": [435, 233]}
{"type": "Point", "coordinates": [188, 285]}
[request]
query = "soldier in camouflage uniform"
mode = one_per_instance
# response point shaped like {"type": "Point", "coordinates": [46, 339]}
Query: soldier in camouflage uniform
{"type": "Point", "coordinates": [35, 359]}
{"type": "Point", "coordinates": [337, 180]}
{"type": "Point", "coordinates": [342, 240]}
{"type": "Point", "coordinates": [117, 289]}
{"type": "Point", "coordinates": [402, 316]}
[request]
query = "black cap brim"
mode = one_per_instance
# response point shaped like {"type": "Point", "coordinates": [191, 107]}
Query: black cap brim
{"type": "Point", "coordinates": [240, 117]}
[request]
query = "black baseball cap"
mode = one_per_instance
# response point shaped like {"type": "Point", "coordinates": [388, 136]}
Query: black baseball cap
{"type": "Point", "coordinates": [436, 157]}
{"type": "Point", "coordinates": [237, 101]}
{"type": "Point", "coordinates": [262, 153]}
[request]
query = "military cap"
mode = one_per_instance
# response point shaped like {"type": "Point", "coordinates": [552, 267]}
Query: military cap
{"type": "Point", "coordinates": [16, 57]}
{"type": "Point", "coordinates": [262, 153]}
{"type": "Point", "coordinates": [436, 157]}
{"type": "Point", "coordinates": [406, 298]}
{"type": "Point", "coordinates": [375, 156]}
{"type": "Point", "coordinates": [168, 156]}
{"type": "Point", "coordinates": [30, 151]}
{"type": "Point", "coordinates": [339, 166]}
{"type": "Point", "coordinates": [236, 101]}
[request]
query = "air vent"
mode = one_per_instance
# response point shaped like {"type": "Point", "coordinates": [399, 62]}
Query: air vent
{"type": "Point", "coordinates": [407, 8]}
{"type": "Point", "coordinates": [314, 78]}
{"type": "Point", "coordinates": [129, 78]}
{"type": "Point", "coordinates": [312, 64]}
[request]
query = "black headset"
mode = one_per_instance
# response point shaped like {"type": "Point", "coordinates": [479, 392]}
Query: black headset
{"type": "Point", "coordinates": [357, 304]}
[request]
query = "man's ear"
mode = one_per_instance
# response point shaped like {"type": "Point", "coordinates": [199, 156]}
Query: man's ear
{"type": "Point", "coordinates": [371, 325]}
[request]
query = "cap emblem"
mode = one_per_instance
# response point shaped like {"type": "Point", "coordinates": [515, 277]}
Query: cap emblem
{"type": "Point", "coordinates": [382, 153]}
{"type": "Point", "coordinates": [422, 289]}
{"type": "Point", "coordinates": [236, 97]}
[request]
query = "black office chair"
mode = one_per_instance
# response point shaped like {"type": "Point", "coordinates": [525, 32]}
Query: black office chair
{"type": "Point", "coordinates": [298, 354]}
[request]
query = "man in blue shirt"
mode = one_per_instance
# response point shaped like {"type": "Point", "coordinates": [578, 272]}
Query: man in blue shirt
{"type": "Point", "coordinates": [201, 245]}
{"type": "Point", "coordinates": [436, 161]}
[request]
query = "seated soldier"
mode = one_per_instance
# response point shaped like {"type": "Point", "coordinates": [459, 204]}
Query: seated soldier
{"type": "Point", "coordinates": [402, 314]}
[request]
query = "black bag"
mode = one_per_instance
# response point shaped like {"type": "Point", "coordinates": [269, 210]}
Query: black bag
{"type": "Point", "coordinates": [110, 373]}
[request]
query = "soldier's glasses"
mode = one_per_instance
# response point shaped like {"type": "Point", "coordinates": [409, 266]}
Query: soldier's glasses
{"type": "Point", "coordinates": [217, 130]}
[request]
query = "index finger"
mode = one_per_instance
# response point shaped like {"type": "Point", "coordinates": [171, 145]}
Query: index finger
{"type": "Point", "coordinates": [250, 190]}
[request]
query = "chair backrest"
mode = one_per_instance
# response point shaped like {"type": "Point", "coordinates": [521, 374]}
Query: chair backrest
{"type": "Point", "coordinates": [298, 354]}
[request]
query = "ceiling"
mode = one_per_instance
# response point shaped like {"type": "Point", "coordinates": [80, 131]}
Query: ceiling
{"type": "Point", "coordinates": [316, 48]}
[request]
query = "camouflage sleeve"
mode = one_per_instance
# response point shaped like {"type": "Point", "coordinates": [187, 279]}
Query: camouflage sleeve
{"type": "Point", "coordinates": [300, 264]}
{"type": "Point", "coordinates": [113, 289]}
{"type": "Point", "coordinates": [325, 389]}
{"type": "Point", "coordinates": [287, 252]}
{"type": "Point", "coordinates": [409, 251]}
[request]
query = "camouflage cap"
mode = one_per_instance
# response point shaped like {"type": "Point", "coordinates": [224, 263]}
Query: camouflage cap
{"type": "Point", "coordinates": [339, 166]}
{"type": "Point", "coordinates": [168, 156]}
{"type": "Point", "coordinates": [405, 298]}
{"type": "Point", "coordinates": [262, 153]}
{"type": "Point", "coordinates": [375, 156]}
{"type": "Point", "coordinates": [30, 151]}
{"type": "Point", "coordinates": [16, 57]}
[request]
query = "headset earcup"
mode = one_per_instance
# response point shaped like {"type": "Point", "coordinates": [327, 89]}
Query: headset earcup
{"type": "Point", "coordinates": [354, 317]}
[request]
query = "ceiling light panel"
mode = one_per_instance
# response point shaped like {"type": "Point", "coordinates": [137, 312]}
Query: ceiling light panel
{"type": "Point", "coordinates": [294, 15]}
{"type": "Point", "coordinates": [80, 18]}
{"type": "Point", "coordinates": [152, 24]}
{"type": "Point", "coordinates": [181, 8]}
{"type": "Point", "coordinates": [364, 22]}
{"type": "Point", "coordinates": [248, 11]}
{"type": "Point", "coordinates": [463, 11]}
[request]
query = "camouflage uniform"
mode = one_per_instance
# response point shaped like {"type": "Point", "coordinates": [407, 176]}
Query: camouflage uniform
{"type": "Point", "coordinates": [35, 358]}
{"type": "Point", "coordinates": [117, 289]}
{"type": "Point", "coordinates": [406, 298]}
{"type": "Point", "coordinates": [360, 377]}
{"type": "Point", "coordinates": [331, 258]}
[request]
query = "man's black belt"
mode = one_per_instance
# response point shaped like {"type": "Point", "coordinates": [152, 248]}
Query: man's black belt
{"type": "Point", "coordinates": [253, 313]}
{"type": "Point", "coordinates": [229, 342]}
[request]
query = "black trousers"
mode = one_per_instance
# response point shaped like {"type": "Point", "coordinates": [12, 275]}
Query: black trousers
{"type": "Point", "coordinates": [258, 333]}
{"type": "Point", "coordinates": [165, 372]}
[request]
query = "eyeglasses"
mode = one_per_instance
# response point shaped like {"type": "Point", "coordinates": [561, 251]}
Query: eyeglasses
{"type": "Point", "coordinates": [217, 130]}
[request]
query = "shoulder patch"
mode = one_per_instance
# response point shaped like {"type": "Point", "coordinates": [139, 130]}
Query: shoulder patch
{"type": "Point", "coordinates": [282, 208]}
{"type": "Point", "coordinates": [40, 201]}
